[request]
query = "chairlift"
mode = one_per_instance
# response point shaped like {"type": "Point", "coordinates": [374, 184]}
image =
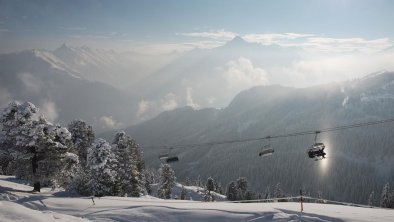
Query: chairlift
{"type": "Point", "coordinates": [172, 159]}
{"type": "Point", "coordinates": [316, 151]}
{"type": "Point", "coordinates": [163, 156]}
{"type": "Point", "coordinates": [267, 149]}
{"type": "Point", "coordinates": [168, 158]}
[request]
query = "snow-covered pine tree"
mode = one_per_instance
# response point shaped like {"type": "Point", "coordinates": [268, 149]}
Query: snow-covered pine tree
{"type": "Point", "coordinates": [218, 187]}
{"type": "Point", "coordinates": [82, 136]}
{"type": "Point", "coordinates": [371, 198]}
{"type": "Point", "coordinates": [40, 149]}
{"type": "Point", "coordinates": [267, 193]}
{"type": "Point", "coordinates": [392, 198]}
{"type": "Point", "coordinates": [80, 182]}
{"type": "Point", "coordinates": [138, 156]}
{"type": "Point", "coordinates": [198, 181]}
{"type": "Point", "coordinates": [278, 192]}
{"type": "Point", "coordinates": [102, 163]}
{"type": "Point", "coordinates": [250, 195]}
{"type": "Point", "coordinates": [5, 155]}
{"type": "Point", "coordinates": [151, 177]}
{"type": "Point", "coordinates": [232, 191]}
{"type": "Point", "coordinates": [242, 186]}
{"type": "Point", "coordinates": [167, 181]}
{"type": "Point", "coordinates": [385, 197]}
{"type": "Point", "coordinates": [210, 185]}
{"type": "Point", "coordinates": [14, 118]}
{"type": "Point", "coordinates": [129, 166]}
{"type": "Point", "coordinates": [187, 181]}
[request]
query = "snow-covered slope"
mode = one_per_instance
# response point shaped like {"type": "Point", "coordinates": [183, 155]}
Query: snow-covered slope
{"type": "Point", "coordinates": [59, 206]}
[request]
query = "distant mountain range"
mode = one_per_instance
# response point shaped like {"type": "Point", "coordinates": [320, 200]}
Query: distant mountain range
{"type": "Point", "coordinates": [111, 89]}
{"type": "Point", "coordinates": [359, 160]}
{"type": "Point", "coordinates": [115, 89]}
{"type": "Point", "coordinates": [60, 92]}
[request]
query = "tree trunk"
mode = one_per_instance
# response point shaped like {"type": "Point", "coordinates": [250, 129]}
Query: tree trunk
{"type": "Point", "coordinates": [37, 185]}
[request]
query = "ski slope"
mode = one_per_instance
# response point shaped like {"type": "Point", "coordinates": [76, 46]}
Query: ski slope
{"type": "Point", "coordinates": [18, 204]}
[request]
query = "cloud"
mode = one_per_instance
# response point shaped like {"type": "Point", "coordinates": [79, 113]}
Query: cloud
{"type": "Point", "coordinates": [241, 74]}
{"type": "Point", "coordinates": [149, 108]}
{"type": "Point", "coordinates": [49, 110]}
{"type": "Point", "coordinates": [321, 44]}
{"type": "Point", "coordinates": [347, 44]}
{"type": "Point", "coordinates": [31, 83]}
{"type": "Point", "coordinates": [189, 99]}
{"type": "Point", "coordinates": [274, 38]}
{"type": "Point", "coordinates": [109, 122]}
{"type": "Point", "coordinates": [320, 69]}
{"type": "Point", "coordinates": [217, 35]}
{"type": "Point", "coordinates": [169, 102]}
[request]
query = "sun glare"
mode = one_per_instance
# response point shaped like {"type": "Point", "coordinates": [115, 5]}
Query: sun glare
{"type": "Point", "coordinates": [324, 164]}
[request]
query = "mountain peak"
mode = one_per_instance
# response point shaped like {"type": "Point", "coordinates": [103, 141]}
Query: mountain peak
{"type": "Point", "coordinates": [63, 48]}
{"type": "Point", "coordinates": [237, 40]}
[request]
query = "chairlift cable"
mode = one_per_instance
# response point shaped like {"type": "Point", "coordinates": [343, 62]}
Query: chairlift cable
{"type": "Point", "coordinates": [295, 134]}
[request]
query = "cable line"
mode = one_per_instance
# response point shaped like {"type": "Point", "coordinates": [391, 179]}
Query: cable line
{"type": "Point", "coordinates": [301, 133]}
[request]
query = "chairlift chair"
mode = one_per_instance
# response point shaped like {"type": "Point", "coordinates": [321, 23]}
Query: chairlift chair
{"type": "Point", "coordinates": [168, 158]}
{"type": "Point", "coordinates": [316, 151]}
{"type": "Point", "coordinates": [163, 156]}
{"type": "Point", "coordinates": [267, 149]}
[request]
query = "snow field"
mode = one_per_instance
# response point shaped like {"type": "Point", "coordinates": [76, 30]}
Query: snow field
{"type": "Point", "coordinates": [61, 206]}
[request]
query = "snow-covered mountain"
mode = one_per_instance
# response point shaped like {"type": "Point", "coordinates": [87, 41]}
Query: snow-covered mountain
{"type": "Point", "coordinates": [60, 91]}
{"type": "Point", "coordinates": [119, 69]}
{"type": "Point", "coordinates": [212, 77]}
{"type": "Point", "coordinates": [359, 160]}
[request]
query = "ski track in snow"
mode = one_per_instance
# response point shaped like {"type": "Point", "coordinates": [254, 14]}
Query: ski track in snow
{"type": "Point", "coordinates": [18, 204]}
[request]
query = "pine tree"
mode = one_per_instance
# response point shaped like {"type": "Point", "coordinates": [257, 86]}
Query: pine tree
{"type": "Point", "coordinates": [128, 173]}
{"type": "Point", "coordinates": [167, 181]}
{"type": "Point", "coordinates": [82, 136]}
{"type": "Point", "coordinates": [242, 186]}
{"type": "Point", "coordinates": [267, 194]}
{"type": "Point", "coordinates": [42, 150]}
{"type": "Point", "coordinates": [232, 191]}
{"type": "Point", "coordinates": [210, 185]}
{"type": "Point", "coordinates": [80, 182]}
{"type": "Point", "coordinates": [371, 199]}
{"type": "Point", "coordinates": [187, 181]}
{"type": "Point", "coordinates": [151, 177]}
{"type": "Point", "coordinates": [392, 199]}
{"type": "Point", "coordinates": [198, 181]}
{"type": "Point", "coordinates": [218, 187]}
{"type": "Point", "coordinates": [385, 197]}
{"type": "Point", "coordinates": [250, 195]}
{"type": "Point", "coordinates": [102, 163]}
{"type": "Point", "coordinates": [278, 192]}
{"type": "Point", "coordinates": [5, 155]}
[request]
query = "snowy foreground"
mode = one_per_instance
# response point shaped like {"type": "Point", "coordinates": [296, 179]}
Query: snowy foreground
{"type": "Point", "coordinates": [16, 204]}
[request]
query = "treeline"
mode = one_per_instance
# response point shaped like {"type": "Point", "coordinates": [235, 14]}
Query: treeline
{"type": "Point", "coordinates": [47, 154]}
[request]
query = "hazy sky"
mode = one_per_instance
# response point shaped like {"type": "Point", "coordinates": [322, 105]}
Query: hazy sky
{"type": "Point", "coordinates": [181, 25]}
